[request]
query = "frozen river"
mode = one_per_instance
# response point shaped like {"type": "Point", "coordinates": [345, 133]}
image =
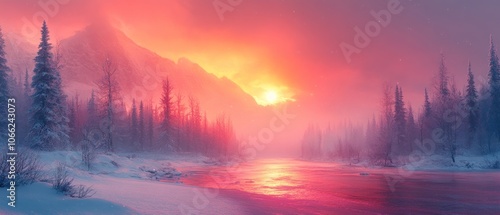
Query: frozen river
{"type": "Point", "coordinates": [286, 186]}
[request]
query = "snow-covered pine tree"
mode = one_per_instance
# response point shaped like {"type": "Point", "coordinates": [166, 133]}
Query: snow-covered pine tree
{"type": "Point", "coordinates": [399, 119]}
{"type": "Point", "coordinates": [48, 114]}
{"type": "Point", "coordinates": [4, 89]}
{"type": "Point", "coordinates": [167, 115]}
{"type": "Point", "coordinates": [494, 84]}
{"type": "Point", "coordinates": [471, 105]}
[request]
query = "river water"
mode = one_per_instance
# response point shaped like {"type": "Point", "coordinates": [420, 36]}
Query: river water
{"type": "Point", "coordinates": [287, 186]}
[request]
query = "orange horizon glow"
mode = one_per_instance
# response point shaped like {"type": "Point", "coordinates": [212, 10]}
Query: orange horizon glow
{"type": "Point", "coordinates": [237, 67]}
{"type": "Point", "coordinates": [291, 47]}
{"type": "Point", "coordinates": [249, 67]}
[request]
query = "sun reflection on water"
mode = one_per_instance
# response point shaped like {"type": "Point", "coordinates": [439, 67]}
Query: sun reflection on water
{"type": "Point", "coordinates": [275, 179]}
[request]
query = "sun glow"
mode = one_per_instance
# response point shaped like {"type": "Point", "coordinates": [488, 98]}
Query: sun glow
{"type": "Point", "coordinates": [271, 97]}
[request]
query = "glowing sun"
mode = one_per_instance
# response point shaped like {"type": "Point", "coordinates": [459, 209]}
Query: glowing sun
{"type": "Point", "coordinates": [271, 97]}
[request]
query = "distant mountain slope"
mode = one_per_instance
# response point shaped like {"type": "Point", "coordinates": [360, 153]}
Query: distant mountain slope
{"type": "Point", "coordinates": [140, 73]}
{"type": "Point", "coordinates": [20, 54]}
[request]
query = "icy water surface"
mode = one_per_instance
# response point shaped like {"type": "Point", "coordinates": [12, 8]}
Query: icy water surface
{"type": "Point", "coordinates": [286, 186]}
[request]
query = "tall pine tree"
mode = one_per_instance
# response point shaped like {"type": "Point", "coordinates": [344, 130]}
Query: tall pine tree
{"type": "Point", "coordinates": [471, 104]}
{"type": "Point", "coordinates": [399, 118]}
{"type": "Point", "coordinates": [494, 83]}
{"type": "Point", "coordinates": [167, 114]}
{"type": "Point", "coordinates": [48, 113]}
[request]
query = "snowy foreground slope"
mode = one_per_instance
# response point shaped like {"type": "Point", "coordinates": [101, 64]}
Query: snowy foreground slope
{"type": "Point", "coordinates": [124, 184]}
{"type": "Point", "coordinates": [40, 198]}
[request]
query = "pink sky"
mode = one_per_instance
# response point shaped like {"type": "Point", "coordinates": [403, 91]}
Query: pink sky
{"type": "Point", "coordinates": [292, 47]}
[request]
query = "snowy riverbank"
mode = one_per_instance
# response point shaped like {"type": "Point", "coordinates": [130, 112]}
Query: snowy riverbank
{"type": "Point", "coordinates": [433, 162]}
{"type": "Point", "coordinates": [124, 184]}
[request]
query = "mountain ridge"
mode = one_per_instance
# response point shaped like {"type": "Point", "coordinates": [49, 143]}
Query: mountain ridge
{"type": "Point", "coordinates": [141, 72]}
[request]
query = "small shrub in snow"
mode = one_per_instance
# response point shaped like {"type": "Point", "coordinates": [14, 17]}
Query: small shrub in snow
{"type": "Point", "coordinates": [82, 191]}
{"type": "Point", "coordinates": [63, 183]}
{"type": "Point", "coordinates": [28, 168]}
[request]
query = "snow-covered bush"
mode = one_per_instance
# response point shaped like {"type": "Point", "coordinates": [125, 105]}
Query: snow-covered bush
{"type": "Point", "coordinates": [82, 191]}
{"type": "Point", "coordinates": [27, 168]}
{"type": "Point", "coordinates": [63, 183]}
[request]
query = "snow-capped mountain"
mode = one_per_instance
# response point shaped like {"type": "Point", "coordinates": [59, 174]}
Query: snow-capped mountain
{"type": "Point", "coordinates": [84, 53]}
{"type": "Point", "coordinates": [140, 72]}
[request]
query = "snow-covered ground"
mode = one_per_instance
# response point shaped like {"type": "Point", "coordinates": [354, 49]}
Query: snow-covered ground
{"type": "Point", "coordinates": [462, 163]}
{"type": "Point", "coordinates": [124, 184]}
{"type": "Point", "coordinates": [434, 162]}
